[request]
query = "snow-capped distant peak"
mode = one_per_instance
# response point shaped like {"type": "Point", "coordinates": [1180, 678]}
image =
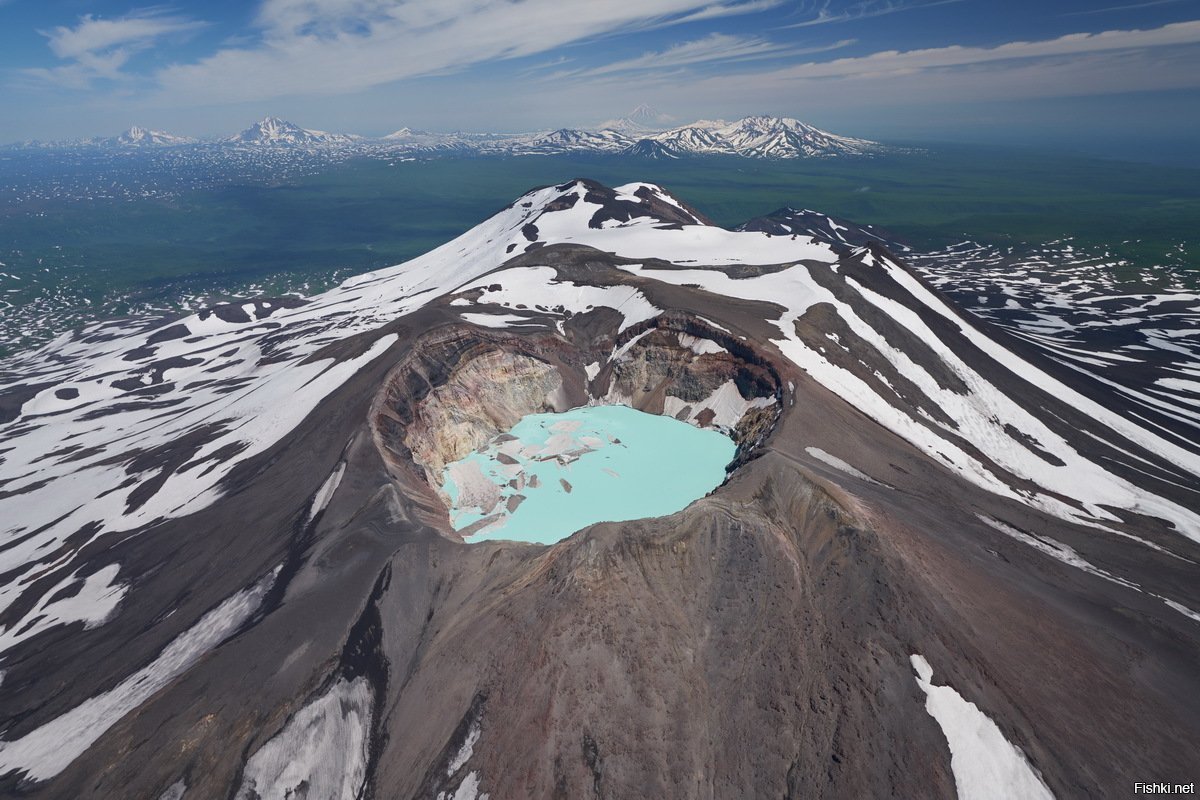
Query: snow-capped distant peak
{"type": "Point", "coordinates": [761, 137]}
{"type": "Point", "coordinates": [709, 124]}
{"type": "Point", "coordinates": [694, 140]}
{"type": "Point", "coordinates": [785, 137]}
{"type": "Point", "coordinates": [643, 119]}
{"type": "Point", "coordinates": [764, 122]}
{"type": "Point", "coordinates": [571, 139]}
{"type": "Point", "coordinates": [144, 136]}
{"type": "Point", "coordinates": [275, 131]}
{"type": "Point", "coordinates": [646, 113]}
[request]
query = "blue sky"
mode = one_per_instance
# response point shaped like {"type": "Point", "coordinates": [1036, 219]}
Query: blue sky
{"type": "Point", "coordinates": [980, 70]}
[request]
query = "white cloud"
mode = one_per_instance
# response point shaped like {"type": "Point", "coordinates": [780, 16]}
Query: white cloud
{"type": "Point", "coordinates": [93, 35]}
{"type": "Point", "coordinates": [1112, 62]}
{"type": "Point", "coordinates": [895, 61]}
{"type": "Point", "coordinates": [332, 46]}
{"type": "Point", "coordinates": [727, 9]}
{"type": "Point", "coordinates": [99, 48]}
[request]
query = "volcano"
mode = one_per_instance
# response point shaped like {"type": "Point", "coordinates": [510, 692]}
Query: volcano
{"type": "Point", "coordinates": [939, 562]}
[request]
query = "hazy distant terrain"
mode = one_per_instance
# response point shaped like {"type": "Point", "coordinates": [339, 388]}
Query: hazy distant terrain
{"type": "Point", "coordinates": [105, 233]}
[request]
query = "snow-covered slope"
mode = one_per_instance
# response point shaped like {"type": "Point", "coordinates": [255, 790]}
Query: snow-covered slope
{"type": "Point", "coordinates": [895, 411]}
{"type": "Point", "coordinates": [407, 140]}
{"type": "Point", "coordinates": [783, 137]}
{"type": "Point", "coordinates": [233, 382]}
{"type": "Point", "coordinates": [568, 140]}
{"type": "Point", "coordinates": [136, 136]}
{"type": "Point", "coordinates": [649, 148]}
{"type": "Point", "coordinates": [1064, 301]}
{"type": "Point", "coordinates": [696, 140]}
{"type": "Point", "coordinates": [763, 137]}
{"type": "Point", "coordinates": [837, 231]}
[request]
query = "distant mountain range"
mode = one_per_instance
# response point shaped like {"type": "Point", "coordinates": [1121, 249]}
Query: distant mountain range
{"type": "Point", "coordinates": [762, 137]}
{"type": "Point", "coordinates": [638, 135]}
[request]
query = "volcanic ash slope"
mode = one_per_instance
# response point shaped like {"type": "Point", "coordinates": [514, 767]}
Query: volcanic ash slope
{"type": "Point", "coordinates": [942, 563]}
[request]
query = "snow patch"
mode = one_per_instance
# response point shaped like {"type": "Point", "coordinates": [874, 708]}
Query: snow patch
{"type": "Point", "coordinates": [174, 791]}
{"type": "Point", "coordinates": [1181, 608]}
{"type": "Point", "coordinates": [986, 766]}
{"type": "Point", "coordinates": [93, 603]}
{"type": "Point", "coordinates": [465, 752]}
{"type": "Point", "coordinates": [728, 405]}
{"type": "Point", "coordinates": [699, 346]}
{"type": "Point", "coordinates": [709, 322]}
{"type": "Point", "coordinates": [647, 237]}
{"type": "Point", "coordinates": [839, 464]}
{"type": "Point", "coordinates": [539, 288]}
{"type": "Point", "coordinates": [320, 753]}
{"type": "Point", "coordinates": [467, 790]}
{"type": "Point", "coordinates": [496, 320]}
{"type": "Point", "coordinates": [325, 493]}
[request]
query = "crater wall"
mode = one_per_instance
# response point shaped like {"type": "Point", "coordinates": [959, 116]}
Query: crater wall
{"type": "Point", "coordinates": [461, 385]}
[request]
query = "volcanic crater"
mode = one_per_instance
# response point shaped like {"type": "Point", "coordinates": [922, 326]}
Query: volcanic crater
{"type": "Point", "coordinates": [463, 385]}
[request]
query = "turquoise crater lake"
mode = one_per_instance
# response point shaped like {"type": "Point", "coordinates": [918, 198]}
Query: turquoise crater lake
{"type": "Point", "coordinates": [552, 474]}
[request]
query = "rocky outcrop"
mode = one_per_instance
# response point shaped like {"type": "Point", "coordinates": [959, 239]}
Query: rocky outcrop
{"type": "Point", "coordinates": [486, 395]}
{"type": "Point", "coordinates": [687, 369]}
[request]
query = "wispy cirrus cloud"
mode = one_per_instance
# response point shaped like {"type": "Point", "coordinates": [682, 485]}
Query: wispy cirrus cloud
{"type": "Point", "coordinates": [716, 48]}
{"type": "Point", "coordinates": [98, 47]}
{"type": "Point", "coordinates": [824, 14]}
{"type": "Point", "coordinates": [332, 46]}
{"type": "Point", "coordinates": [1074, 44]}
{"type": "Point", "coordinates": [728, 9]}
{"type": "Point", "coordinates": [1108, 62]}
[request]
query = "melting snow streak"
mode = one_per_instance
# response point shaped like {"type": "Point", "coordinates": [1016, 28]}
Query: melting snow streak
{"type": "Point", "coordinates": [46, 751]}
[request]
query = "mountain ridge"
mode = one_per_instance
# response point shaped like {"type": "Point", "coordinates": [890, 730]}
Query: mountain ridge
{"type": "Point", "coordinates": [138, 136]}
{"type": "Point", "coordinates": [751, 137]}
{"type": "Point", "coordinates": [277, 132]}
